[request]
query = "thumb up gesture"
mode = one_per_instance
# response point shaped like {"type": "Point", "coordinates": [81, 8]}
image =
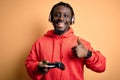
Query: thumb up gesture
{"type": "Point", "coordinates": [79, 50]}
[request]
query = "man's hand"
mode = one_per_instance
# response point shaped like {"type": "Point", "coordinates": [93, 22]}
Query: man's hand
{"type": "Point", "coordinates": [43, 67]}
{"type": "Point", "coordinates": [79, 50]}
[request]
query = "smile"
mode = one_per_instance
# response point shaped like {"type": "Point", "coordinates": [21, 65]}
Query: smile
{"type": "Point", "coordinates": [60, 24]}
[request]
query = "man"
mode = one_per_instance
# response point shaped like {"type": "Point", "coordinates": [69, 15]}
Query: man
{"type": "Point", "coordinates": [63, 46]}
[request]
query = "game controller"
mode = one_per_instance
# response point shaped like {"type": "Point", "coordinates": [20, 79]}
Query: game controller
{"type": "Point", "coordinates": [59, 65]}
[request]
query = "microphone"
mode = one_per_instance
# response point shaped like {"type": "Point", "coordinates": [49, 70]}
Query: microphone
{"type": "Point", "coordinates": [58, 65]}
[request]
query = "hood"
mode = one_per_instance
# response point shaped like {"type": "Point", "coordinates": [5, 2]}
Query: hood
{"type": "Point", "coordinates": [69, 33]}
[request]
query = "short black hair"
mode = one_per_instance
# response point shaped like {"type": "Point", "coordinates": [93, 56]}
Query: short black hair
{"type": "Point", "coordinates": [60, 4]}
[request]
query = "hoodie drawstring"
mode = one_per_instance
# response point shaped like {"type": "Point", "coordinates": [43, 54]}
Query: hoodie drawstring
{"type": "Point", "coordinates": [61, 54]}
{"type": "Point", "coordinates": [53, 49]}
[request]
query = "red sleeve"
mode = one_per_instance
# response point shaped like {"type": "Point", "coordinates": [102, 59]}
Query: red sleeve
{"type": "Point", "coordinates": [97, 62]}
{"type": "Point", "coordinates": [32, 62]}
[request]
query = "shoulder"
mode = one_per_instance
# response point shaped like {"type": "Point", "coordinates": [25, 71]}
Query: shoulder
{"type": "Point", "coordinates": [83, 40]}
{"type": "Point", "coordinates": [42, 39]}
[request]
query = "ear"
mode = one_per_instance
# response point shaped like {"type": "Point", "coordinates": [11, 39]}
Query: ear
{"type": "Point", "coordinates": [73, 20]}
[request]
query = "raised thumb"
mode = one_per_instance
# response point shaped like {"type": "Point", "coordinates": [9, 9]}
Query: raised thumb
{"type": "Point", "coordinates": [78, 41]}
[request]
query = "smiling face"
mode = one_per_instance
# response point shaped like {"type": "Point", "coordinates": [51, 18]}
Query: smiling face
{"type": "Point", "coordinates": [61, 19]}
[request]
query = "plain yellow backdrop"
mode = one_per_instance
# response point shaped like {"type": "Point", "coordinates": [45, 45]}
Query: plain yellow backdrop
{"type": "Point", "coordinates": [24, 21]}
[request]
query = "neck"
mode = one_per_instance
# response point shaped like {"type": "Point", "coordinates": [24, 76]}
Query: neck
{"type": "Point", "coordinates": [59, 32]}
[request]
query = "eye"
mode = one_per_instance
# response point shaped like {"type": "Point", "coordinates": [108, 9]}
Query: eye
{"type": "Point", "coordinates": [57, 15]}
{"type": "Point", "coordinates": [66, 15]}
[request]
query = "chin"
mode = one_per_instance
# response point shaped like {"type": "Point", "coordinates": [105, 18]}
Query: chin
{"type": "Point", "coordinates": [59, 31]}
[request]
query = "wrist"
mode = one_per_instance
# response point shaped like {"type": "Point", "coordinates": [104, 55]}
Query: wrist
{"type": "Point", "coordinates": [89, 54]}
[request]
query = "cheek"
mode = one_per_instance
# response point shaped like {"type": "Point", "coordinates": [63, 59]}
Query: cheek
{"type": "Point", "coordinates": [68, 21]}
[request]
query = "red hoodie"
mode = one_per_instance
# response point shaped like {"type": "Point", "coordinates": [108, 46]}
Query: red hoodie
{"type": "Point", "coordinates": [53, 48]}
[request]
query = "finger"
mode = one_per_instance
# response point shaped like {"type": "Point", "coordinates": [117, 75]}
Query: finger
{"type": "Point", "coordinates": [47, 61]}
{"type": "Point", "coordinates": [73, 48]}
{"type": "Point", "coordinates": [46, 70]}
{"type": "Point", "coordinates": [43, 66]}
{"type": "Point", "coordinates": [74, 51]}
{"type": "Point", "coordinates": [78, 41]}
{"type": "Point", "coordinates": [74, 54]}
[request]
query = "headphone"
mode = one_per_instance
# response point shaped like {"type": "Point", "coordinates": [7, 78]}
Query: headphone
{"type": "Point", "coordinates": [71, 22]}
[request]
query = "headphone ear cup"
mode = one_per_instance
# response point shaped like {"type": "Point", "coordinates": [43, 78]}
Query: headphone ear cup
{"type": "Point", "coordinates": [50, 18]}
{"type": "Point", "coordinates": [72, 20]}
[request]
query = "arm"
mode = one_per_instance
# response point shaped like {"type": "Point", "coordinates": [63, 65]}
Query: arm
{"type": "Point", "coordinates": [35, 67]}
{"type": "Point", "coordinates": [97, 62]}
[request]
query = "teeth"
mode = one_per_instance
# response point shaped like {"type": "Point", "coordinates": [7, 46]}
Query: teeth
{"type": "Point", "coordinates": [60, 24]}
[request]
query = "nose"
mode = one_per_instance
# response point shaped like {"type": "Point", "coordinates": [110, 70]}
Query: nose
{"type": "Point", "coordinates": [61, 18]}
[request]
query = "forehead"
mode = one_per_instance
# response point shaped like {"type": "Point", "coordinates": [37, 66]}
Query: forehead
{"type": "Point", "coordinates": [61, 8]}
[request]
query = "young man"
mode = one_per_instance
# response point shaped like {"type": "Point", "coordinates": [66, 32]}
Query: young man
{"type": "Point", "coordinates": [63, 46]}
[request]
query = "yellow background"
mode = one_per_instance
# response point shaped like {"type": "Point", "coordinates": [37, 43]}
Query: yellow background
{"type": "Point", "coordinates": [24, 21]}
